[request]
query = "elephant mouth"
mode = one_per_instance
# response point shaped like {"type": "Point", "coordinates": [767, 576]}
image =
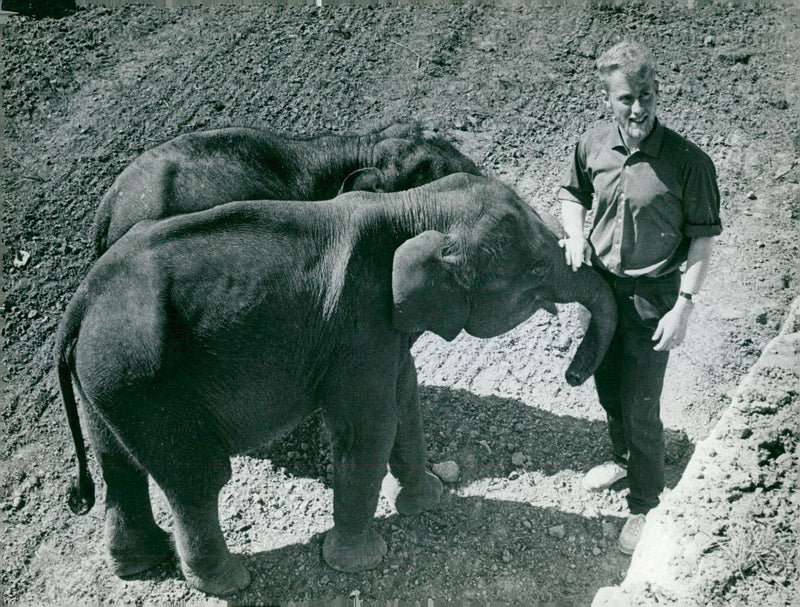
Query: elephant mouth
{"type": "Point", "coordinates": [490, 321]}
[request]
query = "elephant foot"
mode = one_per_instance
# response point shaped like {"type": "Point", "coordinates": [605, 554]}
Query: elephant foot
{"type": "Point", "coordinates": [352, 554]}
{"type": "Point", "coordinates": [223, 579]}
{"type": "Point", "coordinates": [412, 500]}
{"type": "Point", "coordinates": [136, 552]}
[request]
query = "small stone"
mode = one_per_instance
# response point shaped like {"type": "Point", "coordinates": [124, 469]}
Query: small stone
{"type": "Point", "coordinates": [21, 259]}
{"type": "Point", "coordinates": [507, 556]}
{"type": "Point", "coordinates": [518, 459]}
{"type": "Point", "coordinates": [563, 344]}
{"type": "Point", "coordinates": [325, 579]}
{"type": "Point", "coordinates": [596, 551]}
{"type": "Point", "coordinates": [709, 41]}
{"type": "Point", "coordinates": [558, 531]}
{"type": "Point", "coordinates": [447, 471]}
{"type": "Point", "coordinates": [527, 524]}
{"type": "Point", "coordinates": [17, 502]}
{"type": "Point", "coordinates": [751, 195]}
{"type": "Point", "coordinates": [32, 314]}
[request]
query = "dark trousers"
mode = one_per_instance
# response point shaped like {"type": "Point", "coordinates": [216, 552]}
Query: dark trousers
{"type": "Point", "coordinates": [629, 381]}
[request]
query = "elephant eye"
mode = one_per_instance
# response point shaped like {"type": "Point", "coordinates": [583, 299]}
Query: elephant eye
{"type": "Point", "coordinates": [535, 269]}
{"type": "Point", "coordinates": [452, 247]}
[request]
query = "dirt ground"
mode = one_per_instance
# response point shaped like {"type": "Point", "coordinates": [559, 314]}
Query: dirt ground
{"type": "Point", "coordinates": [86, 91]}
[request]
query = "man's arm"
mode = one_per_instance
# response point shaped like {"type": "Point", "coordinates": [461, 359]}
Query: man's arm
{"type": "Point", "coordinates": [671, 329]}
{"type": "Point", "coordinates": [576, 248]}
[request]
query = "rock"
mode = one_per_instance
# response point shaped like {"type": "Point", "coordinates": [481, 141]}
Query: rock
{"type": "Point", "coordinates": [21, 260]}
{"type": "Point", "coordinates": [507, 556]}
{"type": "Point", "coordinates": [447, 471]}
{"type": "Point", "coordinates": [563, 343]}
{"type": "Point", "coordinates": [558, 531]}
{"type": "Point", "coordinates": [751, 195]}
{"type": "Point", "coordinates": [609, 529]}
{"type": "Point", "coordinates": [518, 459]}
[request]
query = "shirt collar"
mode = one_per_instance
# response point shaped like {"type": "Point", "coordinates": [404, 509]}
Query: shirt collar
{"type": "Point", "coordinates": [651, 145]}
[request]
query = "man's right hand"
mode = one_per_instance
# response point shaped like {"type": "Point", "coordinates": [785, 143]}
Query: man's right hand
{"type": "Point", "coordinates": [576, 251]}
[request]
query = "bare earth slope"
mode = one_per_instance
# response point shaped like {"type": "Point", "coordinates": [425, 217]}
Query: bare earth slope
{"type": "Point", "coordinates": [84, 93]}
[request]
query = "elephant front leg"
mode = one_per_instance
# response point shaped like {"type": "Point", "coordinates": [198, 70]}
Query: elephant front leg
{"type": "Point", "coordinates": [419, 489]}
{"type": "Point", "coordinates": [360, 456]}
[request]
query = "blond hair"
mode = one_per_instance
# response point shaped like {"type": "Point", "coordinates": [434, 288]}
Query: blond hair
{"type": "Point", "coordinates": [631, 58]}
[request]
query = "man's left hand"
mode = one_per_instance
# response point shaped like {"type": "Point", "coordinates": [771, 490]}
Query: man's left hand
{"type": "Point", "coordinates": [672, 327]}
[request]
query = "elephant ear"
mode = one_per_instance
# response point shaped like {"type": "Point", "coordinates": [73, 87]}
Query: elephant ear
{"type": "Point", "coordinates": [427, 296]}
{"type": "Point", "coordinates": [368, 179]}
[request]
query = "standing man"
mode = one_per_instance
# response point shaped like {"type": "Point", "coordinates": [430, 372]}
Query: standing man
{"type": "Point", "coordinates": [656, 208]}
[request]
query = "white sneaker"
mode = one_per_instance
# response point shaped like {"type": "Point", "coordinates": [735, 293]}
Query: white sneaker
{"type": "Point", "coordinates": [603, 476]}
{"type": "Point", "coordinates": [631, 532]}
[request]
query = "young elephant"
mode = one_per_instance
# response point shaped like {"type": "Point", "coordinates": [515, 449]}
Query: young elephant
{"type": "Point", "coordinates": [207, 334]}
{"type": "Point", "coordinates": [200, 170]}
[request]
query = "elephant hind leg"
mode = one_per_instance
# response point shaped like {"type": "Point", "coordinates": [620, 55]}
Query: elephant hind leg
{"type": "Point", "coordinates": [174, 439]}
{"type": "Point", "coordinates": [186, 460]}
{"type": "Point", "coordinates": [192, 487]}
{"type": "Point", "coordinates": [134, 542]}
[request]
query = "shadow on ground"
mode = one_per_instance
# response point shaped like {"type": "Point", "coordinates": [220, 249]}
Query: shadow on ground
{"type": "Point", "coordinates": [494, 545]}
{"type": "Point", "coordinates": [41, 8]}
{"type": "Point", "coordinates": [483, 434]}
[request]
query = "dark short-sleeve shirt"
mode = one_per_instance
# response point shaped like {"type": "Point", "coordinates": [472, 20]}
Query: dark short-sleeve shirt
{"type": "Point", "coordinates": [649, 203]}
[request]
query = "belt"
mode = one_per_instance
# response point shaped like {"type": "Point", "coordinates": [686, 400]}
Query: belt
{"type": "Point", "coordinates": [615, 280]}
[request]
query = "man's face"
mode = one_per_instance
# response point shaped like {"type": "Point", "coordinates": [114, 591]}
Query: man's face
{"type": "Point", "coordinates": [632, 99]}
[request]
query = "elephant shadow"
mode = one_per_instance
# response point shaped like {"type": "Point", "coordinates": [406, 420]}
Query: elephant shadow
{"type": "Point", "coordinates": [487, 436]}
{"type": "Point", "coordinates": [481, 544]}
{"type": "Point", "coordinates": [483, 540]}
{"type": "Point", "coordinates": [467, 548]}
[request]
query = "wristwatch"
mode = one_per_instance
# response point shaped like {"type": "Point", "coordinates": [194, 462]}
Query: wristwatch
{"type": "Point", "coordinates": [686, 295]}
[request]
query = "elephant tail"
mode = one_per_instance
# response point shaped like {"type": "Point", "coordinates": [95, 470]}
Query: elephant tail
{"type": "Point", "coordinates": [81, 491]}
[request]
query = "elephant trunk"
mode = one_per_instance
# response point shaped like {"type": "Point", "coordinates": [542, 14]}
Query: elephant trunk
{"type": "Point", "coordinates": [588, 288]}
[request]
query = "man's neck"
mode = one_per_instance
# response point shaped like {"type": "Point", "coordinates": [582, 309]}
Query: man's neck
{"type": "Point", "coordinates": [631, 144]}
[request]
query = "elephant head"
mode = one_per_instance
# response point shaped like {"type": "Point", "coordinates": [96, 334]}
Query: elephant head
{"type": "Point", "coordinates": [400, 163]}
{"type": "Point", "coordinates": [492, 264]}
